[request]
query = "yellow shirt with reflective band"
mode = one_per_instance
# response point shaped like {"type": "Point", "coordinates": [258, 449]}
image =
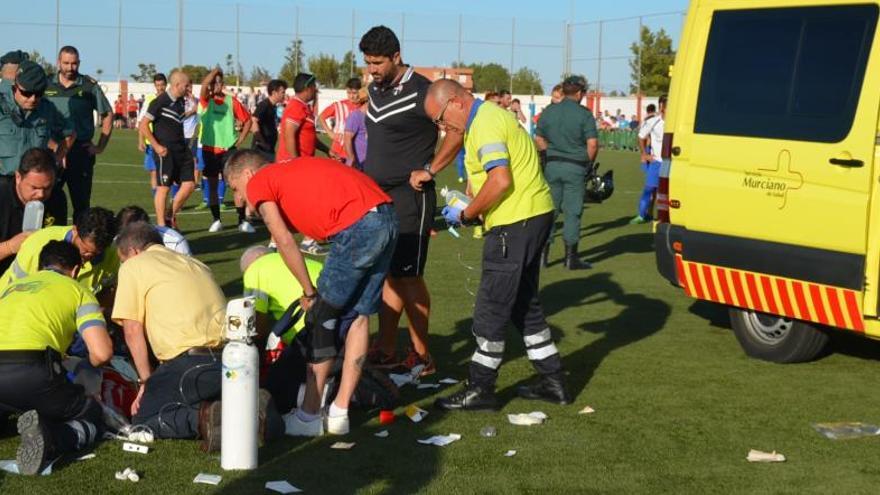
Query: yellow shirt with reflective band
{"type": "Point", "coordinates": [94, 275]}
{"type": "Point", "coordinates": [275, 288]}
{"type": "Point", "coordinates": [46, 309]}
{"type": "Point", "coordinates": [175, 297]}
{"type": "Point", "coordinates": [494, 138]}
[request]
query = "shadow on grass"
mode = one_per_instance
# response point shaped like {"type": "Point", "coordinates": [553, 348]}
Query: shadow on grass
{"type": "Point", "coordinates": [715, 314]}
{"type": "Point", "coordinates": [854, 345]}
{"type": "Point", "coordinates": [640, 317]}
{"type": "Point", "coordinates": [598, 228]}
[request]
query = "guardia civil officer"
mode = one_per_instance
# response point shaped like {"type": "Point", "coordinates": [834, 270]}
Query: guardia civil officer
{"type": "Point", "coordinates": [28, 120]}
{"type": "Point", "coordinates": [567, 131]}
{"type": "Point", "coordinates": [78, 97]}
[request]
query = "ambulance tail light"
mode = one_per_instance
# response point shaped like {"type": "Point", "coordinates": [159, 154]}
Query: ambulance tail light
{"type": "Point", "coordinates": [662, 201]}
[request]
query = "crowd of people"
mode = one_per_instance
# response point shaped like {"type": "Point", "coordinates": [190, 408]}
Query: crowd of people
{"type": "Point", "coordinates": [115, 284]}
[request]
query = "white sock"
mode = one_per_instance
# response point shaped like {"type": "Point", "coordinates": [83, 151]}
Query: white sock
{"type": "Point", "coordinates": [336, 411]}
{"type": "Point", "coordinates": [306, 417]}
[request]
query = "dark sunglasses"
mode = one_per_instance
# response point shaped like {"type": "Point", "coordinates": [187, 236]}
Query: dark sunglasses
{"type": "Point", "coordinates": [439, 118]}
{"type": "Point", "coordinates": [28, 94]}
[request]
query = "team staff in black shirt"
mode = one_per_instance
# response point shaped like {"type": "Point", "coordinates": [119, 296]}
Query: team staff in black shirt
{"type": "Point", "coordinates": [403, 139]}
{"type": "Point", "coordinates": [265, 118]}
{"type": "Point", "coordinates": [174, 161]}
{"type": "Point", "coordinates": [33, 182]}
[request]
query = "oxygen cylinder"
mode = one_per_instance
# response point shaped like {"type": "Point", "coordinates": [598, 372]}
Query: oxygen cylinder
{"type": "Point", "coordinates": [241, 372]}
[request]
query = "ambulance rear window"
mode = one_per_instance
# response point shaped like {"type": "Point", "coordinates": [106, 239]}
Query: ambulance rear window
{"type": "Point", "coordinates": [789, 73]}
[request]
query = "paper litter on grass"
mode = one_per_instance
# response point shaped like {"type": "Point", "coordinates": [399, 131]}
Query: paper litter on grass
{"type": "Point", "coordinates": [449, 381]}
{"type": "Point", "coordinates": [11, 466]}
{"type": "Point", "coordinates": [532, 418]}
{"type": "Point", "coordinates": [208, 479]}
{"type": "Point", "coordinates": [440, 440]}
{"type": "Point", "coordinates": [759, 456]}
{"type": "Point", "coordinates": [342, 445]}
{"type": "Point", "coordinates": [401, 379]}
{"type": "Point", "coordinates": [510, 453]}
{"type": "Point", "coordinates": [587, 410]}
{"type": "Point", "coordinates": [415, 413]}
{"type": "Point", "coordinates": [86, 457]}
{"type": "Point", "coordinates": [423, 386]}
{"type": "Point", "coordinates": [845, 430]}
{"type": "Point", "coordinates": [282, 487]}
{"type": "Point", "coordinates": [381, 434]}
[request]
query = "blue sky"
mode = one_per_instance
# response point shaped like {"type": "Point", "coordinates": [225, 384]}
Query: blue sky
{"type": "Point", "coordinates": [430, 31]}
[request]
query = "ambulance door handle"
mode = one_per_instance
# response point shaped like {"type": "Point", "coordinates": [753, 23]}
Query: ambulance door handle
{"type": "Point", "coordinates": [849, 163]}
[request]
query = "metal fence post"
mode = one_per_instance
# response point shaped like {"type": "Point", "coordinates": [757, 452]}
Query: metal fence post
{"type": "Point", "coordinates": [237, 48]}
{"type": "Point", "coordinates": [351, 62]}
{"type": "Point", "coordinates": [639, 41]}
{"type": "Point", "coordinates": [119, 40]}
{"type": "Point", "coordinates": [296, 43]}
{"type": "Point", "coordinates": [599, 68]}
{"type": "Point", "coordinates": [512, 50]}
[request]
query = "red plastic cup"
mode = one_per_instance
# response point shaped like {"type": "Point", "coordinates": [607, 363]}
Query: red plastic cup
{"type": "Point", "coordinates": [386, 417]}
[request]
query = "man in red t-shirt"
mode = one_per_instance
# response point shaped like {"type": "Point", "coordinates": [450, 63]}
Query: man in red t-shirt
{"type": "Point", "coordinates": [325, 200]}
{"type": "Point", "coordinates": [298, 137]}
{"type": "Point", "coordinates": [338, 112]}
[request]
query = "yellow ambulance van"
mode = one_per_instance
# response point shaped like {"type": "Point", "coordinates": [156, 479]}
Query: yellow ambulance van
{"type": "Point", "coordinates": [769, 198]}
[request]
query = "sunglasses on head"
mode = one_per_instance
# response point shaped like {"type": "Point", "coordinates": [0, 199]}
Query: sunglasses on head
{"type": "Point", "coordinates": [28, 94]}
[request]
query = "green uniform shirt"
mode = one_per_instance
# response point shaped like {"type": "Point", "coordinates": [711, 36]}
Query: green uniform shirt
{"type": "Point", "coordinates": [275, 288]}
{"type": "Point", "coordinates": [78, 103]}
{"type": "Point", "coordinates": [494, 138]}
{"type": "Point", "coordinates": [44, 310]}
{"type": "Point", "coordinates": [566, 126]}
{"type": "Point", "coordinates": [95, 274]}
{"type": "Point", "coordinates": [20, 132]}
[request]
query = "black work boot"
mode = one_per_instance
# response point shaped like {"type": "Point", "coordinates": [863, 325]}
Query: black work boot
{"type": "Point", "coordinates": [36, 448]}
{"type": "Point", "coordinates": [545, 255]}
{"type": "Point", "coordinates": [573, 261]}
{"type": "Point", "coordinates": [470, 398]}
{"type": "Point", "coordinates": [550, 388]}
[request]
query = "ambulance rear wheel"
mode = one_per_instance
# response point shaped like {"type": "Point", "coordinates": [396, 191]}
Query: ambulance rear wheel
{"type": "Point", "coordinates": [776, 338]}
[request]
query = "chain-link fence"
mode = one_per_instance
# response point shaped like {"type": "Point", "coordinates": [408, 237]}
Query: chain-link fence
{"type": "Point", "coordinates": [114, 36]}
{"type": "Point", "coordinates": [602, 50]}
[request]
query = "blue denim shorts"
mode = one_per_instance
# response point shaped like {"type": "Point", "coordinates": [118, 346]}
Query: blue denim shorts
{"type": "Point", "coordinates": [358, 261]}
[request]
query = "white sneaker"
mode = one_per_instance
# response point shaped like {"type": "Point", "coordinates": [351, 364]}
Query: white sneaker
{"type": "Point", "coordinates": [312, 247]}
{"type": "Point", "coordinates": [337, 425]}
{"type": "Point", "coordinates": [215, 227]}
{"type": "Point", "coordinates": [295, 427]}
{"type": "Point", "coordinates": [246, 227]}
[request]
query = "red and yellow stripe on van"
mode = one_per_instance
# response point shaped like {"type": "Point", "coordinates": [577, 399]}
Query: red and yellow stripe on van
{"type": "Point", "coordinates": [797, 299]}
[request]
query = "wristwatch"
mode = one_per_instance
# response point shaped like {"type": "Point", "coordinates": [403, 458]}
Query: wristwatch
{"type": "Point", "coordinates": [427, 168]}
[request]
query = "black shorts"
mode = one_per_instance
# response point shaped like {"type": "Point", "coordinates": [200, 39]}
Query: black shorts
{"type": "Point", "coordinates": [415, 212]}
{"type": "Point", "coordinates": [214, 162]}
{"type": "Point", "coordinates": [175, 167]}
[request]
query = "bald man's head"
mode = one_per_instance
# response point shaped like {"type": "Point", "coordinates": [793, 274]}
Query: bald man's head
{"type": "Point", "coordinates": [177, 85]}
{"type": "Point", "coordinates": [449, 105]}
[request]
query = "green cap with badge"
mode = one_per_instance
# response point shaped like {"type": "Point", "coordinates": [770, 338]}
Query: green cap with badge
{"type": "Point", "coordinates": [14, 57]}
{"type": "Point", "coordinates": [31, 77]}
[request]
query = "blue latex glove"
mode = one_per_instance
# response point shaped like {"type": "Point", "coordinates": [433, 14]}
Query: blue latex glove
{"type": "Point", "coordinates": [452, 215]}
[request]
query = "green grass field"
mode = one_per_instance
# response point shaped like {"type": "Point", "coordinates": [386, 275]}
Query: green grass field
{"type": "Point", "coordinates": [678, 405]}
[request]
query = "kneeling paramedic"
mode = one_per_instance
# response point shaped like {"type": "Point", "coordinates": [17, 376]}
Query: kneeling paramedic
{"type": "Point", "coordinates": [514, 200]}
{"type": "Point", "coordinates": [172, 301]}
{"type": "Point", "coordinates": [39, 316]}
{"type": "Point", "coordinates": [325, 200]}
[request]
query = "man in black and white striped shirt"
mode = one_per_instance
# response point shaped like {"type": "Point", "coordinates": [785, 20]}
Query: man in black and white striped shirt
{"type": "Point", "coordinates": [174, 161]}
{"type": "Point", "coordinates": [402, 140]}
